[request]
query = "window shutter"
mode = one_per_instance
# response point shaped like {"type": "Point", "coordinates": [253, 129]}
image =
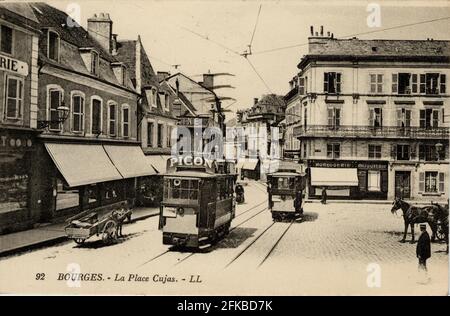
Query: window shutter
{"type": "Point", "coordinates": [399, 117]}
{"type": "Point", "coordinates": [414, 83]}
{"type": "Point", "coordinates": [441, 182]}
{"type": "Point", "coordinates": [381, 117]}
{"type": "Point", "coordinates": [413, 149]}
{"type": "Point", "coordinates": [421, 181]}
{"type": "Point", "coordinates": [337, 117]}
{"type": "Point", "coordinates": [407, 118]}
{"type": "Point", "coordinates": [422, 118]}
{"type": "Point", "coordinates": [435, 118]}
{"type": "Point", "coordinates": [371, 117]}
{"type": "Point", "coordinates": [394, 151]}
{"type": "Point", "coordinates": [338, 82]}
{"type": "Point", "coordinates": [384, 181]}
{"type": "Point", "coordinates": [421, 152]}
{"type": "Point", "coordinates": [330, 117]}
{"type": "Point", "coordinates": [422, 83]}
{"type": "Point", "coordinates": [394, 83]}
{"type": "Point", "coordinates": [301, 84]}
{"type": "Point", "coordinates": [325, 81]}
{"type": "Point", "coordinates": [442, 85]}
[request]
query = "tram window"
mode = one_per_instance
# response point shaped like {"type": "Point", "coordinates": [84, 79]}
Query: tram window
{"type": "Point", "coordinates": [185, 189]}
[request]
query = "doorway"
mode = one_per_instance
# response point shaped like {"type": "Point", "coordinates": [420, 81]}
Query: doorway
{"type": "Point", "coordinates": [403, 184]}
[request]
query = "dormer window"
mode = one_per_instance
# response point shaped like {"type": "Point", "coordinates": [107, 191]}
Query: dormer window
{"type": "Point", "coordinates": [94, 63]}
{"type": "Point", "coordinates": [124, 76]}
{"type": "Point", "coordinates": [53, 46]}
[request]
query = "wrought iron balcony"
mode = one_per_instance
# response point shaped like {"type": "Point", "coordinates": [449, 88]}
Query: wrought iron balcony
{"type": "Point", "coordinates": [372, 132]}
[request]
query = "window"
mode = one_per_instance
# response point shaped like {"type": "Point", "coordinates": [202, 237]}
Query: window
{"type": "Point", "coordinates": [403, 118]}
{"type": "Point", "coordinates": [301, 86]}
{"type": "Point", "coordinates": [77, 113]}
{"type": "Point", "coordinates": [375, 151]}
{"type": "Point", "coordinates": [305, 118]}
{"type": "Point", "coordinates": [154, 98]}
{"type": "Point", "coordinates": [333, 151]}
{"type": "Point", "coordinates": [125, 121]}
{"type": "Point", "coordinates": [429, 118]}
{"type": "Point", "coordinates": [66, 197]}
{"type": "Point", "coordinates": [334, 117]}
{"type": "Point", "coordinates": [332, 82]}
{"type": "Point", "coordinates": [168, 136]}
{"type": "Point", "coordinates": [186, 189]}
{"type": "Point", "coordinates": [401, 83]}
{"type": "Point", "coordinates": [124, 76]}
{"type": "Point", "coordinates": [160, 135]}
{"type": "Point", "coordinates": [432, 83]}
{"type": "Point", "coordinates": [112, 118]}
{"type": "Point", "coordinates": [150, 127]}
{"type": "Point", "coordinates": [55, 98]}
{"type": "Point", "coordinates": [376, 117]}
{"type": "Point", "coordinates": [374, 180]}
{"type": "Point", "coordinates": [428, 152]}
{"type": "Point", "coordinates": [6, 35]}
{"type": "Point", "coordinates": [53, 46]}
{"type": "Point", "coordinates": [96, 116]}
{"type": "Point", "coordinates": [94, 63]}
{"type": "Point", "coordinates": [376, 83]}
{"type": "Point", "coordinates": [14, 97]}
{"type": "Point", "coordinates": [431, 184]}
{"type": "Point", "coordinates": [403, 152]}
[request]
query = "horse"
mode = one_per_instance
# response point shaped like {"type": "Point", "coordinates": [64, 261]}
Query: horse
{"type": "Point", "coordinates": [442, 216]}
{"type": "Point", "coordinates": [415, 215]}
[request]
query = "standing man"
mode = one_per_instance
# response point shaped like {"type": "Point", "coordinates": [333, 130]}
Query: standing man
{"type": "Point", "coordinates": [423, 252]}
{"type": "Point", "coordinates": [324, 195]}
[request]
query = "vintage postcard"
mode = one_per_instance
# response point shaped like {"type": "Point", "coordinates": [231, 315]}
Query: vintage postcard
{"type": "Point", "coordinates": [224, 148]}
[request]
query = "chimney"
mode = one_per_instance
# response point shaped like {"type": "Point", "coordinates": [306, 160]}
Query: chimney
{"type": "Point", "coordinates": [321, 30]}
{"type": "Point", "coordinates": [162, 75]}
{"type": "Point", "coordinates": [100, 28]}
{"type": "Point", "coordinates": [312, 30]}
{"type": "Point", "coordinates": [208, 81]}
{"type": "Point", "coordinates": [255, 101]}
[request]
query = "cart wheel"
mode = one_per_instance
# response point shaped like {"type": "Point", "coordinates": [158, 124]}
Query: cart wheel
{"type": "Point", "coordinates": [109, 231]}
{"type": "Point", "coordinates": [440, 233]}
{"type": "Point", "coordinates": [80, 241]}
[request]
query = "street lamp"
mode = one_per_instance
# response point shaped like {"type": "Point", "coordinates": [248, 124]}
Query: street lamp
{"type": "Point", "coordinates": [63, 113]}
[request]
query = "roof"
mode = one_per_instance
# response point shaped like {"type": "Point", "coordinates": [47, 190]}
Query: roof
{"type": "Point", "coordinates": [286, 174]}
{"type": "Point", "coordinates": [50, 17]}
{"type": "Point", "coordinates": [191, 174]}
{"type": "Point", "coordinates": [377, 49]}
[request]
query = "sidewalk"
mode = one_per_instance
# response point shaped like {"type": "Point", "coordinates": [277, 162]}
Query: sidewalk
{"type": "Point", "coordinates": [51, 234]}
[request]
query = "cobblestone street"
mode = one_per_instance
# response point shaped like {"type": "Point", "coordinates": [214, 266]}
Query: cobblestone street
{"type": "Point", "coordinates": [333, 250]}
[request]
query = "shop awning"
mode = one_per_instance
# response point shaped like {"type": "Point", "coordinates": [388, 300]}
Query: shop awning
{"type": "Point", "coordinates": [334, 177]}
{"type": "Point", "coordinates": [82, 164]}
{"type": "Point", "coordinates": [129, 160]}
{"type": "Point", "coordinates": [250, 164]}
{"type": "Point", "coordinates": [159, 163]}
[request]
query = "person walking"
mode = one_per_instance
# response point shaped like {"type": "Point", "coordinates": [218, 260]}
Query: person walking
{"type": "Point", "coordinates": [324, 196]}
{"type": "Point", "coordinates": [423, 252]}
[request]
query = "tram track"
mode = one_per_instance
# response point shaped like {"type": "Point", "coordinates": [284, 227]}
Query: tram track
{"type": "Point", "coordinates": [170, 250]}
{"type": "Point", "coordinates": [269, 253]}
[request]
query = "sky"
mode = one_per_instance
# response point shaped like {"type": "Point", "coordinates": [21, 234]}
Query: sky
{"type": "Point", "coordinates": [209, 35]}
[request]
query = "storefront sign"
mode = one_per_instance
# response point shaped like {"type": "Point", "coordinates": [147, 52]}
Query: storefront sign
{"type": "Point", "coordinates": [364, 165]}
{"type": "Point", "coordinates": [13, 65]}
{"type": "Point", "coordinates": [11, 142]}
{"type": "Point", "coordinates": [190, 161]}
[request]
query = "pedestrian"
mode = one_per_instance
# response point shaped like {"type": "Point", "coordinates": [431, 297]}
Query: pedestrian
{"type": "Point", "coordinates": [423, 252]}
{"type": "Point", "coordinates": [324, 196]}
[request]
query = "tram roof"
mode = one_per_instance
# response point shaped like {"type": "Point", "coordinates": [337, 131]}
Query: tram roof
{"type": "Point", "coordinates": [286, 174]}
{"type": "Point", "coordinates": [194, 174]}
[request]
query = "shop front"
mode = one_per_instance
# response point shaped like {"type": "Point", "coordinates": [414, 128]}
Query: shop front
{"type": "Point", "coordinates": [17, 199]}
{"type": "Point", "coordinates": [86, 176]}
{"type": "Point", "coordinates": [348, 179]}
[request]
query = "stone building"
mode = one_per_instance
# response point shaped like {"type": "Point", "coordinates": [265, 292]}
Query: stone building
{"type": "Point", "coordinates": [372, 117]}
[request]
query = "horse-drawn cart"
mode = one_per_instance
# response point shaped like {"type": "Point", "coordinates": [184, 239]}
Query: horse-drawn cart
{"type": "Point", "coordinates": [104, 222]}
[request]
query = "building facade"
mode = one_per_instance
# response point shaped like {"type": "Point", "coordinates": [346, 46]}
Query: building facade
{"type": "Point", "coordinates": [377, 113]}
{"type": "Point", "coordinates": [88, 152]}
{"type": "Point", "coordinates": [19, 36]}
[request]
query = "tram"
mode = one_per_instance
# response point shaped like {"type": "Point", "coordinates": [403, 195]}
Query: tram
{"type": "Point", "coordinates": [285, 189]}
{"type": "Point", "coordinates": [198, 204]}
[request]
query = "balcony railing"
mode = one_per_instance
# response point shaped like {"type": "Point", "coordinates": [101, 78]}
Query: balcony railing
{"type": "Point", "coordinates": [371, 132]}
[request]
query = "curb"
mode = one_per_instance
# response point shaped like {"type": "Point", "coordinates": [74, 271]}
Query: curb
{"type": "Point", "coordinates": [56, 240]}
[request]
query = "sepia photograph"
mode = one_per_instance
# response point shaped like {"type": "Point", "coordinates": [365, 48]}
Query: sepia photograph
{"type": "Point", "coordinates": [224, 148]}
